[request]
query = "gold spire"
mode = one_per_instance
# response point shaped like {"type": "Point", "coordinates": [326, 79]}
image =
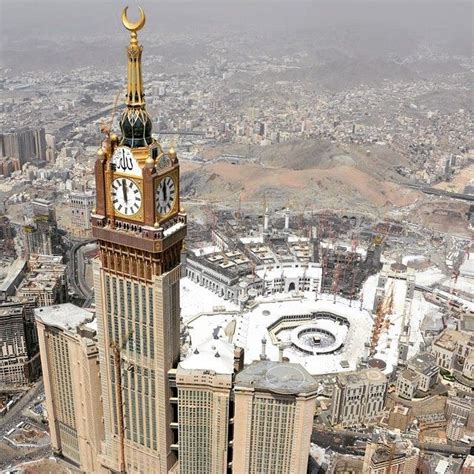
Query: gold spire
{"type": "Point", "coordinates": [135, 95]}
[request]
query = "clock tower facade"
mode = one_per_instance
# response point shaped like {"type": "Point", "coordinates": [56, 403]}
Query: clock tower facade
{"type": "Point", "coordinates": [140, 228]}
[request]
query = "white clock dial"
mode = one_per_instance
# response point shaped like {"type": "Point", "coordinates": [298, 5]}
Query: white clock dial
{"type": "Point", "coordinates": [165, 195]}
{"type": "Point", "coordinates": [123, 161]}
{"type": "Point", "coordinates": [126, 196]}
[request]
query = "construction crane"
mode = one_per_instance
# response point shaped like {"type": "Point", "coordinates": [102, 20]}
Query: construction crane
{"type": "Point", "coordinates": [336, 280]}
{"type": "Point", "coordinates": [117, 357]}
{"type": "Point", "coordinates": [381, 322]}
{"type": "Point", "coordinates": [238, 214]}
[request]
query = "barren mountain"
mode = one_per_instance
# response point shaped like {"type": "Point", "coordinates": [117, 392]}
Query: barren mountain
{"type": "Point", "coordinates": [310, 174]}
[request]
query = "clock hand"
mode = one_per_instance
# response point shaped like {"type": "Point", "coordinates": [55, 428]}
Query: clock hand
{"type": "Point", "coordinates": [124, 190]}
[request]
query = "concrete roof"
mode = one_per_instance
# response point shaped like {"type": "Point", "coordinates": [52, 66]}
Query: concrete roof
{"type": "Point", "coordinates": [277, 377]}
{"type": "Point", "coordinates": [424, 363]}
{"type": "Point", "coordinates": [65, 316]}
{"type": "Point", "coordinates": [216, 355]}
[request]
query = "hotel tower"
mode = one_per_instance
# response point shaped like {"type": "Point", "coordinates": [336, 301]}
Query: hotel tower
{"type": "Point", "coordinates": [140, 229]}
{"type": "Point", "coordinates": [119, 398]}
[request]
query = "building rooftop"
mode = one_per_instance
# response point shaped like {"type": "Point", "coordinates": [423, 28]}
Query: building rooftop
{"type": "Point", "coordinates": [215, 355]}
{"type": "Point", "coordinates": [423, 363]}
{"type": "Point", "coordinates": [65, 316]}
{"type": "Point", "coordinates": [11, 309]}
{"type": "Point", "coordinates": [450, 338]}
{"type": "Point", "coordinates": [362, 376]}
{"type": "Point", "coordinates": [409, 375]}
{"type": "Point", "coordinates": [277, 377]}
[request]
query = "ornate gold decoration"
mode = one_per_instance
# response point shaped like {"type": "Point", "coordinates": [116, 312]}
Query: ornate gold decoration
{"type": "Point", "coordinates": [135, 96]}
{"type": "Point", "coordinates": [133, 27]}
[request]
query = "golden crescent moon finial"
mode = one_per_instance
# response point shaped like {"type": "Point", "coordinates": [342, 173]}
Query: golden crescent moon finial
{"type": "Point", "coordinates": [133, 27]}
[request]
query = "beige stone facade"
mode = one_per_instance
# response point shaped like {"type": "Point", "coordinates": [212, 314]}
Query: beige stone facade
{"type": "Point", "coordinates": [204, 414]}
{"type": "Point", "coordinates": [358, 398]}
{"type": "Point", "coordinates": [396, 457]}
{"type": "Point", "coordinates": [70, 362]}
{"type": "Point", "coordinates": [274, 410]}
{"type": "Point", "coordinates": [138, 325]}
{"type": "Point", "coordinates": [80, 207]}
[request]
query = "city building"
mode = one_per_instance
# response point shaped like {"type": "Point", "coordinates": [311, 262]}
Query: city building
{"type": "Point", "coordinates": [452, 348]}
{"type": "Point", "coordinates": [421, 374]}
{"type": "Point", "coordinates": [273, 418]}
{"type": "Point", "coordinates": [399, 417]}
{"type": "Point", "coordinates": [41, 232]}
{"type": "Point", "coordinates": [140, 227]}
{"type": "Point", "coordinates": [459, 416]}
{"type": "Point", "coordinates": [392, 456]}
{"type": "Point", "coordinates": [358, 398]}
{"type": "Point", "coordinates": [13, 345]}
{"type": "Point", "coordinates": [15, 273]}
{"type": "Point", "coordinates": [25, 145]}
{"type": "Point", "coordinates": [45, 282]}
{"type": "Point", "coordinates": [70, 360]}
{"type": "Point", "coordinates": [205, 408]}
{"type": "Point", "coordinates": [7, 245]}
{"type": "Point", "coordinates": [81, 206]}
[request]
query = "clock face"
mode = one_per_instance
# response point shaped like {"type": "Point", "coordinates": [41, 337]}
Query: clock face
{"type": "Point", "coordinates": [165, 195]}
{"type": "Point", "coordinates": [123, 161]}
{"type": "Point", "coordinates": [126, 196]}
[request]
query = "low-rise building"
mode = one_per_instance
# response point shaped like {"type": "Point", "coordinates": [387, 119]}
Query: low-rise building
{"type": "Point", "coordinates": [390, 456]}
{"type": "Point", "coordinates": [421, 374]}
{"type": "Point", "coordinates": [452, 347]}
{"type": "Point", "coordinates": [399, 417]}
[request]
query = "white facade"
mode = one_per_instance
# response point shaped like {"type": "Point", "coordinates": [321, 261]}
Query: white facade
{"type": "Point", "coordinates": [358, 398]}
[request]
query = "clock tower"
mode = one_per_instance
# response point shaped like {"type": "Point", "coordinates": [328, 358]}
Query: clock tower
{"type": "Point", "coordinates": [140, 227]}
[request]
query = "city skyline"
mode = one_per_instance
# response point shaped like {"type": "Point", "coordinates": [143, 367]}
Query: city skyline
{"type": "Point", "coordinates": [239, 248]}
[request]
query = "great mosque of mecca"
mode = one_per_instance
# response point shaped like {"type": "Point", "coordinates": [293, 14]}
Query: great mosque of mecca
{"type": "Point", "coordinates": [282, 294]}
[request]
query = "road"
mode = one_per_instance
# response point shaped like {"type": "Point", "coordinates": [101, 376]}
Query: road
{"type": "Point", "coordinates": [75, 272]}
{"type": "Point", "coordinates": [14, 416]}
{"type": "Point", "coordinates": [10, 455]}
{"type": "Point", "coordinates": [442, 192]}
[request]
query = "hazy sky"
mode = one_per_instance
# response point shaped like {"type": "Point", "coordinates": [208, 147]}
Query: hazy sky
{"type": "Point", "coordinates": [375, 27]}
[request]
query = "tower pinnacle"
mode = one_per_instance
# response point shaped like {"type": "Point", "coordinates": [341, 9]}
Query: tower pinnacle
{"type": "Point", "coordinates": [135, 95]}
{"type": "Point", "coordinates": [135, 122]}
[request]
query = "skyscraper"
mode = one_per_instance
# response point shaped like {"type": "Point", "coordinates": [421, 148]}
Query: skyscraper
{"type": "Point", "coordinates": [204, 414]}
{"type": "Point", "coordinates": [274, 409]}
{"type": "Point", "coordinates": [140, 229]}
{"type": "Point", "coordinates": [25, 145]}
{"type": "Point", "coordinates": [67, 336]}
{"type": "Point", "coordinates": [81, 205]}
{"type": "Point", "coordinates": [205, 407]}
